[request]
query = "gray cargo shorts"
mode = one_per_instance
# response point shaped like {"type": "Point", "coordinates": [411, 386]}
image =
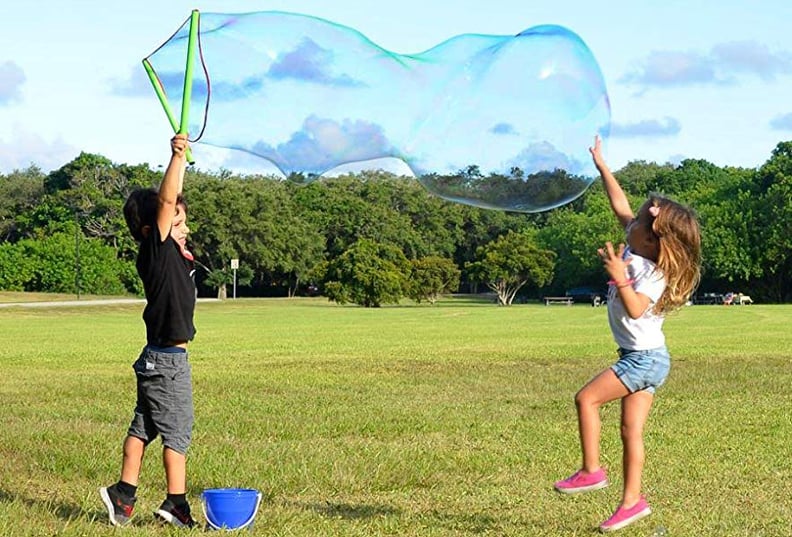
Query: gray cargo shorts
{"type": "Point", "coordinates": [164, 398]}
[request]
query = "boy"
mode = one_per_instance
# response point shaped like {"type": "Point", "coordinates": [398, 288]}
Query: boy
{"type": "Point", "coordinates": [158, 222]}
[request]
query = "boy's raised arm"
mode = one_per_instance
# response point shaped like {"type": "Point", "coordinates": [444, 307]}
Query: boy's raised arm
{"type": "Point", "coordinates": [171, 185]}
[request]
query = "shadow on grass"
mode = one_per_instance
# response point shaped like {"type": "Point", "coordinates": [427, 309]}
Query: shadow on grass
{"type": "Point", "coordinates": [468, 523]}
{"type": "Point", "coordinates": [64, 511]}
{"type": "Point", "coordinates": [348, 511]}
{"type": "Point", "coordinates": [70, 512]}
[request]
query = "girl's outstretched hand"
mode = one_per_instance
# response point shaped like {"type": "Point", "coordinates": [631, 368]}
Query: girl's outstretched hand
{"type": "Point", "coordinates": [596, 152]}
{"type": "Point", "coordinates": [613, 261]}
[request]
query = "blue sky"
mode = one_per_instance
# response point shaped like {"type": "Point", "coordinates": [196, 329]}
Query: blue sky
{"type": "Point", "coordinates": [707, 79]}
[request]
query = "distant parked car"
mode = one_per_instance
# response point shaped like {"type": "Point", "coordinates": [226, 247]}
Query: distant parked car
{"type": "Point", "coordinates": [709, 298]}
{"type": "Point", "coordinates": [312, 289]}
{"type": "Point", "coordinates": [587, 294]}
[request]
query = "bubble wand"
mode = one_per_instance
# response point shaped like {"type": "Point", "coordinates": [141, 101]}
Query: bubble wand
{"type": "Point", "coordinates": [181, 127]}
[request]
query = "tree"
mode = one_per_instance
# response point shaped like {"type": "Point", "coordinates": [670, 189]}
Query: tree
{"type": "Point", "coordinates": [288, 235]}
{"type": "Point", "coordinates": [220, 279]}
{"type": "Point", "coordinates": [478, 227]}
{"type": "Point", "coordinates": [219, 213]}
{"type": "Point", "coordinates": [364, 206]}
{"type": "Point", "coordinates": [281, 245]}
{"type": "Point", "coordinates": [728, 215]}
{"type": "Point", "coordinates": [93, 190]}
{"type": "Point", "coordinates": [775, 221]}
{"type": "Point", "coordinates": [369, 274]}
{"type": "Point", "coordinates": [639, 178]}
{"type": "Point", "coordinates": [431, 277]}
{"type": "Point", "coordinates": [256, 220]}
{"type": "Point", "coordinates": [574, 236]}
{"type": "Point", "coordinates": [510, 262]}
{"type": "Point", "coordinates": [19, 192]}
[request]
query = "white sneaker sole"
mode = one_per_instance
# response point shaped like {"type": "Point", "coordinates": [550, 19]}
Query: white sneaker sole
{"type": "Point", "coordinates": [627, 521]}
{"type": "Point", "coordinates": [169, 518]}
{"type": "Point", "coordinates": [110, 508]}
{"type": "Point", "coordinates": [595, 486]}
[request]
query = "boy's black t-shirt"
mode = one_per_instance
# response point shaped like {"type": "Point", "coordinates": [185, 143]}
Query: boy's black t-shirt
{"type": "Point", "coordinates": [169, 281]}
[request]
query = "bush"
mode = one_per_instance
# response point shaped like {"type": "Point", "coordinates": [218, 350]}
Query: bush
{"type": "Point", "coordinates": [51, 264]}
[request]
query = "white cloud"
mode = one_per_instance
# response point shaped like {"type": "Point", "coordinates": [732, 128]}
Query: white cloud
{"type": "Point", "coordinates": [725, 63]}
{"type": "Point", "coordinates": [667, 126]}
{"type": "Point", "coordinates": [543, 156]}
{"type": "Point", "coordinates": [27, 148]}
{"type": "Point", "coordinates": [504, 128]}
{"type": "Point", "coordinates": [676, 159]}
{"type": "Point", "coordinates": [312, 63]}
{"type": "Point", "coordinates": [136, 85]}
{"type": "Point", "coordinates": [753, 58]}
{"type": "Point", "coordinates": [782, 122]}
{"type": "Point", "coordinates": [323, 144]}
{"type": "Point", "coordinates": [672, 68]}
{"type": "Point", "coordinates": [11, 79]}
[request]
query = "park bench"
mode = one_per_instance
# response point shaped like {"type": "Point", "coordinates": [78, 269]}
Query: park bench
{"type": "Point", "coordinates": [548, 300]}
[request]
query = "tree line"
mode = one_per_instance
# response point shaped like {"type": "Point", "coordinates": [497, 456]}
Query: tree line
{"type": "Point", "coordinates": [372, 238]}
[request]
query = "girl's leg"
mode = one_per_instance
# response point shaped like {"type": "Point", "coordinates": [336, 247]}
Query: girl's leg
{"type": "Point", "coordinates": [603, 388]}
{"type": "Point", "coordinates": [635, 410]}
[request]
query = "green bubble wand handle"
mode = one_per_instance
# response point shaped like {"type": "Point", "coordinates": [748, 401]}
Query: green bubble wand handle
{"type": "Point", "coordinates": [181, 127]}
{"type": "Point", "coordinates": [188, 72]}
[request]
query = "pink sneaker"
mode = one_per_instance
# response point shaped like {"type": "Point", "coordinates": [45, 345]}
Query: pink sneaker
{"type": "Point", "coordinates": [624, 517]}
{"type": "Point", "coordinates": [582, 481]}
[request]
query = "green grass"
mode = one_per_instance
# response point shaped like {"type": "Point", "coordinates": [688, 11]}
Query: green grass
{"type": "Point", "coordinates": [20, 297]}
{"type": "Point", "coordinates": [406, 421]}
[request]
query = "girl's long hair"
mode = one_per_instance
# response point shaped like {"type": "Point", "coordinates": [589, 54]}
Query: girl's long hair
{"type": "Point", "coordinates": [679, 257]}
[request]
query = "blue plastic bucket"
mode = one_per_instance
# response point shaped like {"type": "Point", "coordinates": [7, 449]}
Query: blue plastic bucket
{"type": "Point", "coordinates": [230, 509]}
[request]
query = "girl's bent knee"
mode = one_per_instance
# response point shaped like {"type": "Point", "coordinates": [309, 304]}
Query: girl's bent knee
{"type": "Point", "coordinates": [583, 399]}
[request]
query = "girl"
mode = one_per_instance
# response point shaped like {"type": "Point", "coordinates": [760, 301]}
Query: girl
{"type": "Point", "coordinates": [654, 275]}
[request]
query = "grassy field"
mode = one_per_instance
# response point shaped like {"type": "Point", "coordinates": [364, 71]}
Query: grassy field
{"type": "Point", "coordinates": [406, 421]}
{"type": "Point", "coordinates": [13, 297]}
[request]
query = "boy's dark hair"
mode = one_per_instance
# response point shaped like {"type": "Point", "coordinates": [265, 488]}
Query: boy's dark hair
{"type": "Point", "coordinates": [140, 210]}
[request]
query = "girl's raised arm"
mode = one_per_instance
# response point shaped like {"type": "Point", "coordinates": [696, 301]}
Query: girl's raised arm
{"type": "Point", "coordinates": [618, 199]}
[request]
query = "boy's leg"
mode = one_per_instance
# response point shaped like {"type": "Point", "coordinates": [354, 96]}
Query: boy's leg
{"type": "Point", "coordinates": [134, 449]}
{"type": "Point", "coordinates": [119, 498]}
{"type": "Point", "coordinates": [602, 389]}
{"type": "Point", "coordinates": [635, 411]}
{"type": "Point", "coordinates": [175, 471]}
{"type": "Point", "coordinates": [175, 509]}
{"type": "Point", "coordinates": [176, 437]}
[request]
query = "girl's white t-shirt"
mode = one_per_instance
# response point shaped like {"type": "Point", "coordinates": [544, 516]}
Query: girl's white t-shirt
{"type": "Point", "coordinates": [645, 332]}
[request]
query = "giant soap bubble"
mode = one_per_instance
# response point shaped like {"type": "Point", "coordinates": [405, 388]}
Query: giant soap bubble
{"type": "Point", "coordinates": [493, 121]}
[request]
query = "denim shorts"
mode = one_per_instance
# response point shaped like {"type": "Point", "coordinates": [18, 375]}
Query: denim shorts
{"type": "Point", "coordinates": [164, 398]}
{"type": "Point", "coordinates": [643, 370]}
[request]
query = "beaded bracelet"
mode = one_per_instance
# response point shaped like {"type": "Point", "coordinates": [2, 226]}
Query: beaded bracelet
{"type": "Point", "coordinates": [619, 285]}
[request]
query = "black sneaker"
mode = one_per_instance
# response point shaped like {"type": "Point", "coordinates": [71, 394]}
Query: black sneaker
{"type": "Point", "coordinates": [177, 515]}
{"type": "Point", "coordinates": [119, 507]}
